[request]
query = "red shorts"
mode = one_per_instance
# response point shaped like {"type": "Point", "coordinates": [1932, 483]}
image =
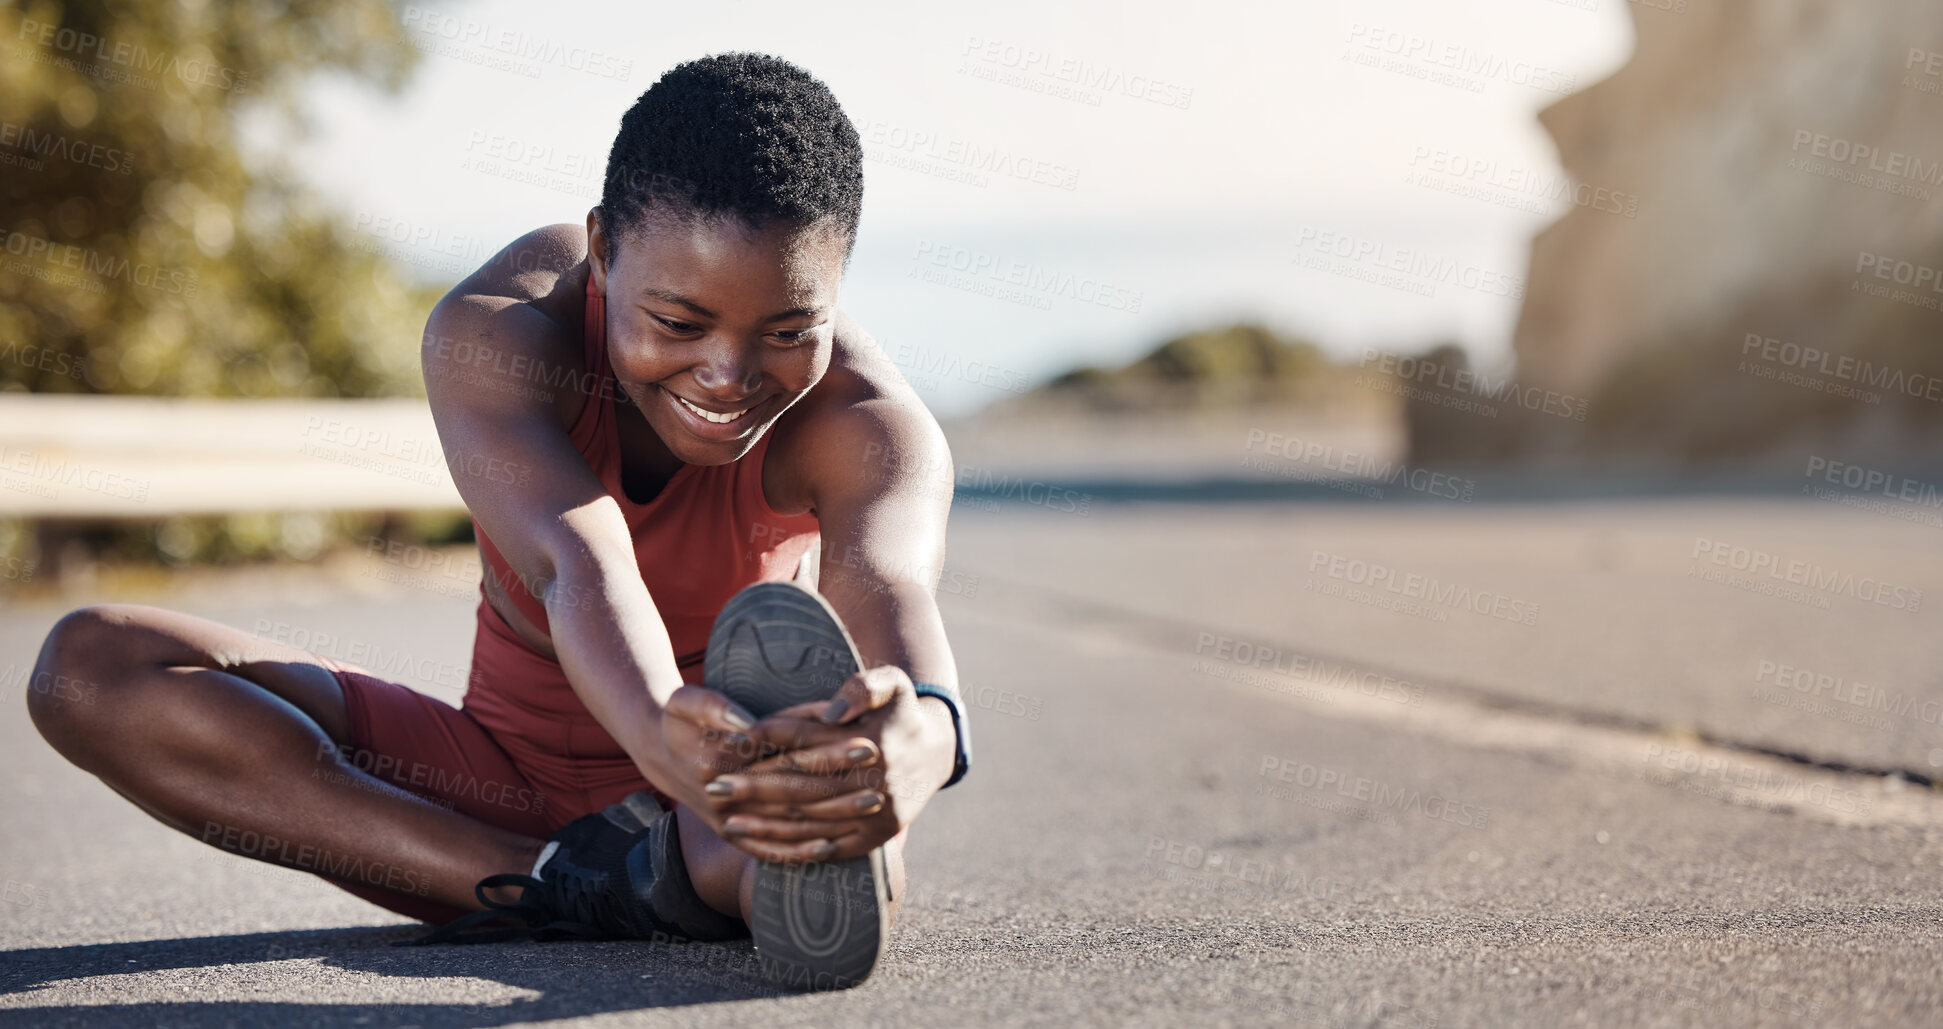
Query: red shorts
{"type": "Point", "coordinates": [442, 753]}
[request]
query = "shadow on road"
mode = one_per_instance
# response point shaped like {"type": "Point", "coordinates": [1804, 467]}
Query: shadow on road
{"type": "Point", "coordinates": [567, 979]}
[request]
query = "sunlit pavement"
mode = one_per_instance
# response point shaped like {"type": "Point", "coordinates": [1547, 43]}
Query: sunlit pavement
{"type": "Point", "coordinates": [1228, 772]}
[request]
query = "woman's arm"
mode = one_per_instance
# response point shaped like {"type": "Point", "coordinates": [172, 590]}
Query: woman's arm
{"type": "Point", "coordinates": [565, 537]}
{"type": "Point", "coordinates": [878, 472]}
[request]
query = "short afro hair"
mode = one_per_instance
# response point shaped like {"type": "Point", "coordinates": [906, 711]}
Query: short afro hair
{"type": "Point", "coordinates": [738, 134]}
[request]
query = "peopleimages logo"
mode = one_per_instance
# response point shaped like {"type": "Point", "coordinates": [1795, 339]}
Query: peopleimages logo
{"type": "Point", "coordinates": [1243, 657]}
{"type": "Point", "coordinates": [1820, 685]}
{"type": "Point", "coordinates": [1875, 481]}
{"type": "Point", "coordinates": [1374, 576]}
{"type": "Point", "coordinates": [1428, 269]}
{"type": "Point", "coordinates": [1715, 775]}
{"type": "Point", "coordinates": [1459, 59]}
{"type": "Point", "coordinates": [1485, 179]}
{"type": "Point", "coordinates": [984, 483]}
{"type": "Point", "coordinates": [1371, 791]}
{"type": "Point", "coordinates": [1425, 371]}
{"type": "Point", "coordinates": [47, 470]}
{"type": "Point", "coordinates": [1900, 272]}
{"type": "Point", "coordinates": [96, 264]}
{"type": "Point", "coordinates": [445, 783]}
{"type": "Point", "coordinates": [1893, 163]}
{"type": "Point", "coordinates": [61, 148]}
{"type": "Point", "coordinates": [514, 44]}
{"type": "Point", "coordinates": [1069, 70]}
{"type": "Point", "coordinates": [1036, 280]}
{"type": "Point", "coordinates": [967, 154]}
{"type": "Point", "coordinates": [1770, 570]}
{"type": "Point", "coordinates": [1840, 367]}
{"type": "Point", "coordinates": [926, 368]}
{"type": "Point", "coordinates": [376, 659]}
{"type": "Point", "coordinates": [334, 864]}
{"type": "Point", "coordinates": [1359, 466]}
{"type": "Point", "coordinates": [1874, 490]}
{"type": "Point", "coordinates": [199, 68]}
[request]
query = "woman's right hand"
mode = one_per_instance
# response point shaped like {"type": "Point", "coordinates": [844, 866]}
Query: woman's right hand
{"type": "Point", "coordinates": [701, 737]}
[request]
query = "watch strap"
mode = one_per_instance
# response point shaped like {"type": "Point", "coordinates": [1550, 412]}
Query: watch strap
{"type": "Point", "coordinates": [961, 726]}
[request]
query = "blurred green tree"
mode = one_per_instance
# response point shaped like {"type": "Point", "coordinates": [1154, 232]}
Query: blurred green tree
{"type": "Point", "coordinates": [143, 250]}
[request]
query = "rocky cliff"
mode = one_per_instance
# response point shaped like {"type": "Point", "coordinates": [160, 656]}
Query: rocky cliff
{"type": "Point", "coordinates": [1779, 282]}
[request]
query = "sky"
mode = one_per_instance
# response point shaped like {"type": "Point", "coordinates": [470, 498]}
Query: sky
{"type": "Point", "coordinates": [1046, 185]}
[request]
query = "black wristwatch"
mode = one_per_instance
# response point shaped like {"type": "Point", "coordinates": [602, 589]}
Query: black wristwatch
{"type": "Point", "coordinates": [959, 725]}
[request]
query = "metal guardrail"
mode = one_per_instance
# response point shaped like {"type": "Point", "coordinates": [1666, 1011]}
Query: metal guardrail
{"type": "Point", "coordinates": [148, 457]}
{"type": "Point", "coordinates": [151, 457]}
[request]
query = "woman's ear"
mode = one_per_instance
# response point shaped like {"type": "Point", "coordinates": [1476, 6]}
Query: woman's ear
{"type": "Point", "coordinates": [597, 251]}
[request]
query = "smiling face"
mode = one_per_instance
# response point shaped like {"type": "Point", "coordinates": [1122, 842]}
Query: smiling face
{"type": "Point", "coordinates": [715, 328]}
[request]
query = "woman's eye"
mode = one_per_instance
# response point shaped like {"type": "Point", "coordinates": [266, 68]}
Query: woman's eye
{"type": "Point", "coordinates": [678, 328]}
{"type": "Point", "coordinates": [792, 337]}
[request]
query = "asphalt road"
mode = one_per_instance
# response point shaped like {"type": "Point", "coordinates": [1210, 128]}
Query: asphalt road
{"type": "Point", "coordinates": [1219, 782]}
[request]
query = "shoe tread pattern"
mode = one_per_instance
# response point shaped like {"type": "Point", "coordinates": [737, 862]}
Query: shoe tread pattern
{"type": "Point", "coordinates": [818, 925]}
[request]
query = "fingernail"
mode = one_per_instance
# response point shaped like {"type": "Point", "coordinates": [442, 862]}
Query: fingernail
{"type": "Point", "coordinates": [835, 712]}
{"type": "Point", "coordinates": [735, 829]}
{"type": "Point", "coordinates": [823, 852]}
{"type": "Point", "coordinates": [860, 753]}
{"type": "Point", "coordinates": [737, 717]}
{"type": "Point", "coordinates": [869, 802]}
{"type": "Point", "coordinates": [718, 788]}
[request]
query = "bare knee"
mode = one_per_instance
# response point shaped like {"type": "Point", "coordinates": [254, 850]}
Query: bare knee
{"type": "Point", "coordinates": [79, 665]}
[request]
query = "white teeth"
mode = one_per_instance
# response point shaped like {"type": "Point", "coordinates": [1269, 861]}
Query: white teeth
{"type": "Point", "coordinates": [719, 419]}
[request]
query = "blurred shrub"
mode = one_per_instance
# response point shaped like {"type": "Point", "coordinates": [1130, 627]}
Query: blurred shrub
{"type": "Point", "coordinates": [143, 253]}
{"type": "Point", "coordinates": [36, 555]}
{"type": "Point", "coordinates": [1235, 364]}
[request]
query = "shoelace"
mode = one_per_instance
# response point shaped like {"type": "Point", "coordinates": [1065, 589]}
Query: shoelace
{"type": "Point", "coordinates": [575, 888]}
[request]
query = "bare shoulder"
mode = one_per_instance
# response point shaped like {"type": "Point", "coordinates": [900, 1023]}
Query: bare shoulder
{"type": "Point", "coordinates": [862, 427]}
{"type": "Point", "coordinates": [532, 267]}
{"type": "Point", "coordinates": [513, 328]}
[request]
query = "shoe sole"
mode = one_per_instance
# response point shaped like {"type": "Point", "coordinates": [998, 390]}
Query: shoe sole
{"type": "Point", "coordinates": [816, 925]}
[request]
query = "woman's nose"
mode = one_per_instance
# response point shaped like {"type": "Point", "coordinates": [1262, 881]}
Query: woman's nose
{"type": "Point", "coordinates": [729, 370]}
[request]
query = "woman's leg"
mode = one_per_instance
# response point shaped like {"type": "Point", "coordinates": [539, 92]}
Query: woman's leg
{"type": "Point", "coordinates": [239, 742]}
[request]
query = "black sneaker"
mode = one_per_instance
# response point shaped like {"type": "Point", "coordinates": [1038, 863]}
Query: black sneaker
{"type": "Point", "coordinates": [816, 925]}
{"type": "Point", "coordinates": [613, 875]}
